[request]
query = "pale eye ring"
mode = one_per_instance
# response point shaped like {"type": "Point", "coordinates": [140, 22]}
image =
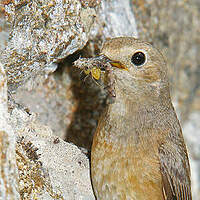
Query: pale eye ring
{"type": "Point", "coordinates": [138, 58]}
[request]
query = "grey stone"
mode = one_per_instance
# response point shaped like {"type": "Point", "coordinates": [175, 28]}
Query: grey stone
{"type": "Point", "coordinates": [43, 32]}
{"type": "Point", "coordinates": [191, 130]}
{"type": "Point", "coordinates": [8, 169]}
{"type": "Point", "coordinates": [48, 167]}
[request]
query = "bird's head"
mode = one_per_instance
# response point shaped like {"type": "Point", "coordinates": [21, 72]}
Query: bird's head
{"type": "Point", "coordinates": [140, 69]}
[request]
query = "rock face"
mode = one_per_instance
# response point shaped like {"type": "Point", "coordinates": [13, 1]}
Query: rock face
{"type": "Point", "coordinates": [48, 167]}
{"type": "Point", "coordinates": [49, 107]}
{"type": "Point", "coordinates": [8, 169]}
{"type": "Point", "coordinates": [43, 32]}
{"type": "Point", "coordinates": [39, 165]}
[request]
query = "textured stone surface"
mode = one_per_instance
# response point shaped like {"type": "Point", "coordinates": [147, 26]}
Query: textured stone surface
{"type": "Point", "coordinates": [191, 129]}
{"type": "Point", "coordinates": [117, 18]}
{"type": "Point", "coordinates": [4, 28]}
{"type": "Point", "coordinates": [53, 101]}
{"type": "Point", "coordinates": [43, 32]}
{"type": "Point", "coordinates": [8, 170]}
{"type": "Point", "coordinates": [70, 106]}
{"type": "Point", "coordinates": [62, 170]}
{"type": "Point", "coordinates": [48, 167]}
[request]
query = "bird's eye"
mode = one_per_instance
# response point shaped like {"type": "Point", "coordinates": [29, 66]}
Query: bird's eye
{"type": "Point", "coordinates": [138, 58]}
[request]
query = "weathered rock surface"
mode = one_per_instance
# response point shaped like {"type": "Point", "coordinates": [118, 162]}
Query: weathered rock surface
{"type": "Point", "coordinates": [8, 169]}
{"type": "Point", "coordinates": [48, 167]}
{"type": "Point", "coordinates": [117, 18]}
{"type": "Point", "coordinates": [4, 28]}
{"type": "Point", "coordinates": [191, 128]}
{"type": "Point", "coordinates": [43, 32]}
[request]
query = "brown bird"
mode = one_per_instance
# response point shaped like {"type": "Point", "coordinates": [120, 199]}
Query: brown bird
{"type": "Point", "coordinates": [138, 150]}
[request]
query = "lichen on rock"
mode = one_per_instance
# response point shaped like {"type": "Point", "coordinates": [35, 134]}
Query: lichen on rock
{"type": "Point", "coordinates": [43, 32]}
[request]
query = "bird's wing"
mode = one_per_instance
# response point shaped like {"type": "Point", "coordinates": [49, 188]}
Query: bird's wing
{"type": "Point", "coordinates": [175, 171]}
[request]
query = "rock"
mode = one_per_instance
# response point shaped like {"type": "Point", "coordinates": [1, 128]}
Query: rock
{"type": "Point", "coordinates": [117, 18]}
{"type": "Point", "coordinates": [8, 169]}
{"type": "Point", "coordinates": [48, 167]}
{"type": "Point", "coordinates": [4, 28]}
{"type": "Point", "coordinates": [43, 32]}
{"type": "Point", "coordinates": [53, 101]}
{"type": "Point", "coordinates": [191, 130]}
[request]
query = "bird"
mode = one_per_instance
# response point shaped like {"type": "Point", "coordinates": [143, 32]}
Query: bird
{"type": "Point", "coordinates": [138, 150]}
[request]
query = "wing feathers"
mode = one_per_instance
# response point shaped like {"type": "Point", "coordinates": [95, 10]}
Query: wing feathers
{"type": "Point", "coordinates": [175, 175]}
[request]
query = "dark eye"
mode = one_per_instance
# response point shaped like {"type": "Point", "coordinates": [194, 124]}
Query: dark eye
{"type": "Point", "coordinates": [138, 58]}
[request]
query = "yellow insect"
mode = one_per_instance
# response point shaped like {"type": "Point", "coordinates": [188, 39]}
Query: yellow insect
{"type": "Point", "coordinates": [90, 66]}
{"type": "Point", "coordinates": [95, 72]}
{"type": "Point", "coordinates": [100, 67]}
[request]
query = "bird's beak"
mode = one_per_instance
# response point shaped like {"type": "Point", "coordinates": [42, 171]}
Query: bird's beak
{"type": "Point", "coordinates": [116, 64]}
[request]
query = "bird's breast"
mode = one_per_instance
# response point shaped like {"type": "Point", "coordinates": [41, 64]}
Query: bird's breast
{"type": "Point", "coordinates": [124, 172]}
{"type": "Point", "coordinates": [124, 163]}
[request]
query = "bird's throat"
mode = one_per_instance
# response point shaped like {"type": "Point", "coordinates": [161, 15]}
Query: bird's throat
{"type": "Point", "coordinates": [122, 119]}
{"type": "Point", "coordinates": [128, 120]}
